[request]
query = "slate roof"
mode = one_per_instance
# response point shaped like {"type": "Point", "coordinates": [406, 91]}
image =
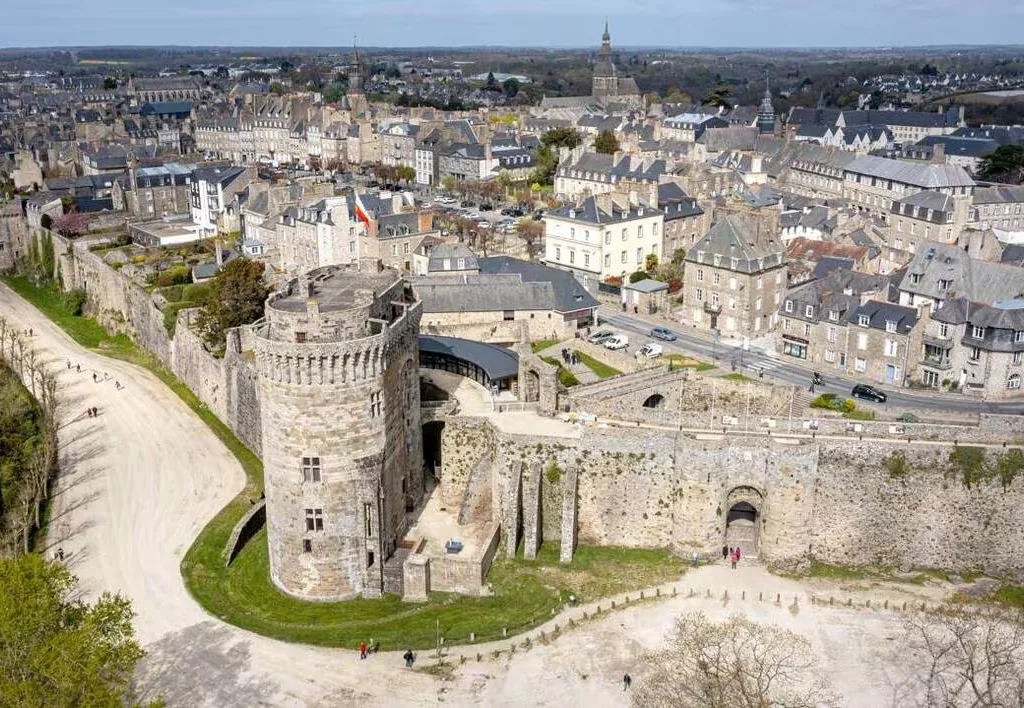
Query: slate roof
{"type": "Point", "coordinates": [217, 175]}
{"type": "Point", "coordinates": [675, 203]}
{"type": "Point", "coordinates": [999, 194]}
{"type": "Point", "coordinates": [164, 108]}
{"type": "Point", "coordinates": [980, 281]}
{"type": "Point", "coordinates": [570, 295]}
{"type": "Point", "coordinates": [451, 252]}
{"type": "Point", "coordinates": [589, 212]}
{"type": "Point", "coordinates": [879, 313]}
{"type": "Point", "coordinates": [731, 138]}
{"type": "Point", "coordinates": [734, 238]}
{"type": "Point", "coordinates": [918, 174]}
{"type": "Point", "coordinates": [960, 147]}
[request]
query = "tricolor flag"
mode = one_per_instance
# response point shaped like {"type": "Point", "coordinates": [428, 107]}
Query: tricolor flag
{"type": "Point", "coordinates": [361, 212]}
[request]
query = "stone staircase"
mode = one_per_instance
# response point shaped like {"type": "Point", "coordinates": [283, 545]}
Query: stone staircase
{"type": "Point", "coordinates": [394, 575]}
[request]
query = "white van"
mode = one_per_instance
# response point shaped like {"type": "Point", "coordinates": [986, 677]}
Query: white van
{"type": "Point", "coordinates": [619, 341]}
{"type": "Point", "coordinates": [650, 351]}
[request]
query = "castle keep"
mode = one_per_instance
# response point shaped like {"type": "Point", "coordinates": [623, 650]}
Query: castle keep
{"type": "Point", "coordinates": [337, 357]}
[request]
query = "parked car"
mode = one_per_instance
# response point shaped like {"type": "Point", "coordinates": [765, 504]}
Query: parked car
{"type": "Point", "coordinates": [486, 207]}
{"type": "Point", "coordinates": [651, 350]}
{"type": "Point", "coordinates": [869, 393]}
{"type": "Point", "coordinates": [600, 336]}
{"type": "Point", "coordinates": [619, 341]}
{"type": "Point", "coordinates": [466, 204]}
{"type": "Point", "coordinates": [663, 333]}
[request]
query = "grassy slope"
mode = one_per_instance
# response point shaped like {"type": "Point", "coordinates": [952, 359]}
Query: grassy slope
{"type": "Point", "coordinates": [601, 369]}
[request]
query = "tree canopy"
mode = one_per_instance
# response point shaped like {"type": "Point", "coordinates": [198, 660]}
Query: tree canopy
{"type": "Point", "coordinates": [236, 298]}
{"type": "Point", "coordinates": [1006, 165]}
{"type": "Point", "coordinates": [718, 97]}
{"type": "Point", "coordinates": [60, 651]}
{"type": "Point", "coordinates": [606, 143]}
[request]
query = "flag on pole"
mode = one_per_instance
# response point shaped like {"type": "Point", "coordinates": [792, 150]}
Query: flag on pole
{"type": "Point", "coordinates": [361, 212]}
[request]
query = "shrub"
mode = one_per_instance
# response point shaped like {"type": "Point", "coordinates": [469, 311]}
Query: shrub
{"type": "Point", "coordinates": [177, 275]}
{"type": "Point", "coordinates": [825, 400]}
{"type": "Point", "coordinates": [637, 276]}
{"type": "Point", "coordinates": [74, 302]}
{"type": "Point", "coordinates": [674, 285]}
{"type": "Point", "coordinates": [908, 418]}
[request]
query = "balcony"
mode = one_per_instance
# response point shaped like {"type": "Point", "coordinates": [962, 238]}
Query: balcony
{"type": "Point", "coordinates": [712, 308]}
{"type": "Point", "coordinates": [932, 340]}
{"type": "Point", "coordinates": [935, 362]}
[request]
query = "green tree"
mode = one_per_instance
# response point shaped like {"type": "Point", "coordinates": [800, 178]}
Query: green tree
{"type": "Point", "coordinates": [236, 298]}
{"type": "Point", "coordinates": [492, 83]}
{"type": "Point", "coordinates": [109, 83]}
{"type": "Point", "coordinates": [276, 88]}
{"type": "Point", "coordinates": [59, 650]}
{"type": "Point", "coordinates": [606, 143]}
{"type": "Point", "coordinates": [511, 88]}
{"type": "Point", "coordinates": [562, 137]}
{"type": "Point", "coordinates": [405, 174]}
{"type": "Point", "coordinates": [718, 97]}
{"type": "Point", "coordinates": [1006, 165]}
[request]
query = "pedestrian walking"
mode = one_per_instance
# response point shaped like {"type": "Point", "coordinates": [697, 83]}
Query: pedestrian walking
{"type": "Point", "coordinates": [627, 681]}
{"type": "Point", "coordinates": [739, 553]}
{"type": "Point", "coordinates": [362, 650]}
{"type": "Point", "coordinates": [78, 368]}
{"type": "Point", "coordinates": [95, 411]}
{"type": "Point", "coordinates": [636, 309]}
{"type": "Point", "coordinates": [69, 365]}
{"type": "Point", "coordinates": [94, 377]}
{"type": "Point", "coordinates": [409, 658]}
{"type": "Point", "coordinates": [695, 558]}
{"type": "Point", "coordinates": [735, 558]}
{"type": "Point", "coordinates": [117, 384]}
{"type": "Point", "coordinates": [88, 412]}
{"type": "Point", "coordinates": [760, 373]}
{"type": "Point", "coordinates": [725, 552]}
{"type": "Point", "coordinates": [60, 554]}
{"type": "Point", "coordinates": [811, 387]}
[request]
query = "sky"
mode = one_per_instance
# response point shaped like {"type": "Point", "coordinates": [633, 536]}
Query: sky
{"type": "Point", "coordinates": [552, 23]}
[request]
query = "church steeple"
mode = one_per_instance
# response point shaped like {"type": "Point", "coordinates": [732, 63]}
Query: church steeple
{"type": "Point", "coordinates": [766, 112]}
{"type": "Point", "coordinates": [606, 41]}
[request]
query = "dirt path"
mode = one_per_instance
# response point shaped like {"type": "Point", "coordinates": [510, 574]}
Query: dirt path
{"type": "Point", "coordinates": [140, 480]}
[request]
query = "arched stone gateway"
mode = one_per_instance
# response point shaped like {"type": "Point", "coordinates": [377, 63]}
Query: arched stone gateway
{"type": "Point", "coordinates": [655, 400]}
{"type": "Point", "coordinates": [744, 509]}
{"type": "Point", "coordinates": [432, 461]}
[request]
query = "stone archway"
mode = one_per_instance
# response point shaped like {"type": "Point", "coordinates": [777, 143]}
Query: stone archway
{"type": "Point", "coordinates": [655, 400]}
{"type": "Point", "coordinates": [743, 518]}
{"type": "Point", "coordinates": [432, 461]}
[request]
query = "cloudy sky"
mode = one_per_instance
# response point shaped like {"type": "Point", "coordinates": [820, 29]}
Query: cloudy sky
{"type": "Point", "coordinates": [557, 23]}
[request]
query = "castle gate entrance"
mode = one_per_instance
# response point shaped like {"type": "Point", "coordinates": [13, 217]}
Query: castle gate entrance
{"type": "Point", "coordinates": [742, 520]}
{"type": "Point", "coordinates": [432, 448]}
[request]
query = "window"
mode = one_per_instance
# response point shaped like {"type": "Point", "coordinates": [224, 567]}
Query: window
{"type": "Point", "coordinates": [508, 315]}
{"type": "Point", "coordinates": [860, 364]}
{"type": "Point", "coordinates": [892, 348]}
{"type": "Point", "coordinates": [863, 320]}
{"type": "Point", "coordinates": [1013, 382]}
{"type": "Point", "coordinates": [300, 337]}
{"type": "Point", "coordinates": [586, 236]}
{"type": "Point", "coordinates": [572, 233]}
{"type": "Point", "coordinates": [732, 283]}
{"type": "Point", "coordinates": [394, 249]}
{"type": "Point", "coordinates": [607, 236]}
{"type": "Point", "coordinates": [307, 546]}
{"type": "Point", "coordinates": [1018, 357]}
{"type": "Point", "coordinates": [572, 256]}
{"type": "Point", "coordinates": [890, 326]}
{"type": "Point", "coordinates": [607, 260]}
{"type": "Point", "coordinates": [975, 354]}
{"type": "Point", "coordinates": [716, 278]}
{"type": "Point", "coordinates": [700, 274]}
{"type": "Point", "coordinates": [368, 518]}
{"type": "Point", "coordinates": [461, 263]}
{"type": "Point", "coordinates": [833, 315]}
{"type": "Point", "coordinates": [376, 402]}
{"type": "Point", "coordinates": [654, 228]}
{"type": "Point", "coordinates": [310, 469]}
{"type": "Point", "coordinates": [809, 311]}
{"type": "Point", "coordinates": [714, 299]}
{"type": "Point", "coordinates": [622, 257]}
{"type": "Point", "coordinates": [639, 256]}
{"type": "Point", "coordinates": [807, 330]}
{"type": "Point", "coordinates": [640, 231]}
{"type": "Point", "coordinates": [314, 519]}
{"type": "Point", "coordinates": [732, 303]}
{"type": "Point", "coordinates": [862, 341]}
{"type": "Point", "coordinates": [830, 334]}
{"type": "Point", "coordinates": [789, 305]}
{"type": "Point", "coordinates": [977, 332]}
{"type": "Point", "coordinates": [915, 278]}
{"type": "Point", "coordinates": [830, 356]}
{"type": "Point", "coordinates": [944, 331]}
{"type": "Point", "coordinates": [558, 254]}
{"type": "Point", "coordinates": [1018, 335]}
{"type": "Point", "coordinates": [699, 295]}
{"type": "Point", "coordinates": [625, 233]}
{"type": "Point", "coordinates": [586, 259]}
{"type": "Point", "coordinates": [760, 282]}
{"type": "Point", "coordinates": [757, 305]}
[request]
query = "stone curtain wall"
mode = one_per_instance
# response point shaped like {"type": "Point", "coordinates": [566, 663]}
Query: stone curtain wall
{"type": "Point", "coordinates": [837, 501]}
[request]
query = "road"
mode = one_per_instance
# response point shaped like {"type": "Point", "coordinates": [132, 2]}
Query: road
{"type": "Point", "coordinates": [786, 370]}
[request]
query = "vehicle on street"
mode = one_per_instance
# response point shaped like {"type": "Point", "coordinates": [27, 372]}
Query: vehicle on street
{"type": "Point", "coordinates": [663, 333]}
{"type": "Point", "coordinates": [466, 204]}
{"type": "Point", "coordinates": [486, 207]}
{"type": "Point", "coordinates": [650, 351]}
{"type": "Point", "coordinates": [869, 393]}
{"type": "Point", "coordinates": [818, 380]}
{"type": "Point", "coordinates": [600, 336]}
{"type": "Point", "coordinates": [619, 341]}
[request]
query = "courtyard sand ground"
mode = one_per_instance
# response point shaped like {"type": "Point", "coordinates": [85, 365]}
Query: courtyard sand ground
{"type": "Point", "coordinates": [139, 482]}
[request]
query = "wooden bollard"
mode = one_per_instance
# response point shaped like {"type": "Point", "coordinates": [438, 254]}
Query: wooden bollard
{"type": "Point", "coordinates": [613, 604]}
{"type": "Point", "coordinates": [709, 592]}
{"type": "Point", "coordinates": [725, 596]}
{"type": "Point", "coordinates": [641, 594]}
{"type": "Point", "coordinates": [830, 599]}
{"type": "Point", "coordinates": [778, 597]}
{"type": "Point", "coordinates": [478, 657]}
{"type": "Point", "coordinates": [597, 611]}
{"type": "Point", "coordinates": [673, 591]}
{"type": "Point", "coordinates": [760, 596]}
{"type": "Point", "coordinates": [504, 631]}
{"type": "Point", "coordinates": [657, 593]}
{"type": "Point", "coordinates": [849, 602]}
{"type": "Point", "coordinates": [904, 605]}
{"type": "Point", "coordinates": [627, 599]}
{"type": "Point", "coordinates": [472, 636]}
{"type": "Point", "coordinates": [585, 616]}
{"type": "Point", "coordinates": [886, 606]}
{"type": "Point", "coordinates": [868, 605]}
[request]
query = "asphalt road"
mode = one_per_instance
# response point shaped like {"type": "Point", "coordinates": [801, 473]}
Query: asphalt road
{"type": "Point", "coordinates": [786, 370]}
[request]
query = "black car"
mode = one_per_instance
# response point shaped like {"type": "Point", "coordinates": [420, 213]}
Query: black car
{"type": "Point", "coordinates": [486, 207]}
{"type": "Point", "coordinates": [869, 393]}
{"type": "Point", "coordinates": [466, 204]}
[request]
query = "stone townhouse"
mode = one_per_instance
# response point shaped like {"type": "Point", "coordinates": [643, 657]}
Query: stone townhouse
{"type": "Point", "coordinates": [972, 313]}
{"type": "Point", "coordinates": [927, 216]}
{"type": "Point", "coordinates": [306, 237]}
{"type": "Point", "coordinates": [812, 170]}
{"type": "Point", "coordinates": [735, 278]}
{"type": "Point", "coordinates": [906, 126]}
{"type": "Point", "coordinates": [872, 184]}
{"type": "Point", "coordinates": [1000, 208]}
{"type": "Point", "coordinates": [404, 240]}
{"type": "Point", "coordinates": [687, 127]}
{"type": "Point", "coordinates": [603, 236]}
{"type": "Point", "coordinates": [152, 192]}
{"type": "Point", "coordinates": [685, 219]}
{"type": "Point", "coordinates": [843, 322]}
{"type": "Point", "coordinates": [581, 174]}
{"type": "Point", "coordinates": [398, 144]}
{"type": "Point", "coordinates": [467, 162]}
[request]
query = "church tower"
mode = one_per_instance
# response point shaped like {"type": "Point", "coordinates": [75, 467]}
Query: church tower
{"type": "Point", "coordinates": [766, 112]}
{"type": "Point", "coordinates": [605, 82]}
{"type": "Point", "coordinates": [356, 94]}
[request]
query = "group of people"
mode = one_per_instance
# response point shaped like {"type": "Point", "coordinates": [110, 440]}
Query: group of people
{"type": "Point", "coordinates": [372, 648]}
{"type": "Point", "coordinates": [570, 357]}
{"type": "Point", "coordinates": [95, 376]}
{"type": "Point", "coordinates": [733, 554]}
{"type": "Point", "coordinates": [92, 412]}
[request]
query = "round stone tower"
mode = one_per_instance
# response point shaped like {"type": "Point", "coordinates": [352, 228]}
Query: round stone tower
{"type": "Point", "coordinates": [338, 358]}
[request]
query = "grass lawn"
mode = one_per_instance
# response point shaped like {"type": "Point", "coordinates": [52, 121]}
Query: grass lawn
{"type": "Point", "coordinates": [679, 361]}
{"type": "Point", "coordinates": [565, 377]}
{"type": "Point", "coordinates": [524, 594]}
{"type": "Point", "coordinates": [736, 376]}
{"type": "Point", "coordinates": [524, 591]}
{"type": "Point", "coordinates": [602, 370]}
{"type": "Point", "coordinates": [542, 345]}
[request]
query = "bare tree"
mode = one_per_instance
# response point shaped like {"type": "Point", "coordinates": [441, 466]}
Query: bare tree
{"type": "Point", "coordinates": [967, 657]}
{"type": "Point", "coordinates": [736, 663]}
{"type": "Point", "coordinates": [530, 232]}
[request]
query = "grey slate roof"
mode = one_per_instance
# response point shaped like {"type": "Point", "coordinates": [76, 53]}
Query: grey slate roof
{"type": "Point", "coordinates": [451, 252]}
{"type": "Point", "coordinates": [980, 281]}
{"type": "Point", "coordinates": [570, 295]}
{"type": "Point", "coordinates": [879, 313]}
{"type": "Point", "coordinates": [733, 239]}
{"type": "Point", "coordinates": [999, 194]}
{"type": "Point", "coordinates": [918, 174]}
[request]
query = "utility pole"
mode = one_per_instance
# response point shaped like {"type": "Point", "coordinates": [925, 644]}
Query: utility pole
{"type": "Point", "coordinates": [714, 391]}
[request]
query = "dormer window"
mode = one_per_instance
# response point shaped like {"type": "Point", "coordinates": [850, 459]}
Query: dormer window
{"type": "Point", "coordinates": [915, 278]}
{"type": "Point", "coordinates": [977, 332]}
{"type": "Point", "coordinates": [833, 315]}
{"type": "Point", "coordinates": [945, 284]}
{"type": "Point", "coordinates": [446, 264]}
{"type": "Point", "coordinates": [789, 305]}
{"type": "Point", "coordinates": [890, 326]}
{"type": "Point", "coordinates": [1018, 335]}
{"type": "Point", "coordinates": [863, 320]}
{"type": "Point", "coordinates": [462, 263]}
{"type": "Point", "coordinates": [809, 311]}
